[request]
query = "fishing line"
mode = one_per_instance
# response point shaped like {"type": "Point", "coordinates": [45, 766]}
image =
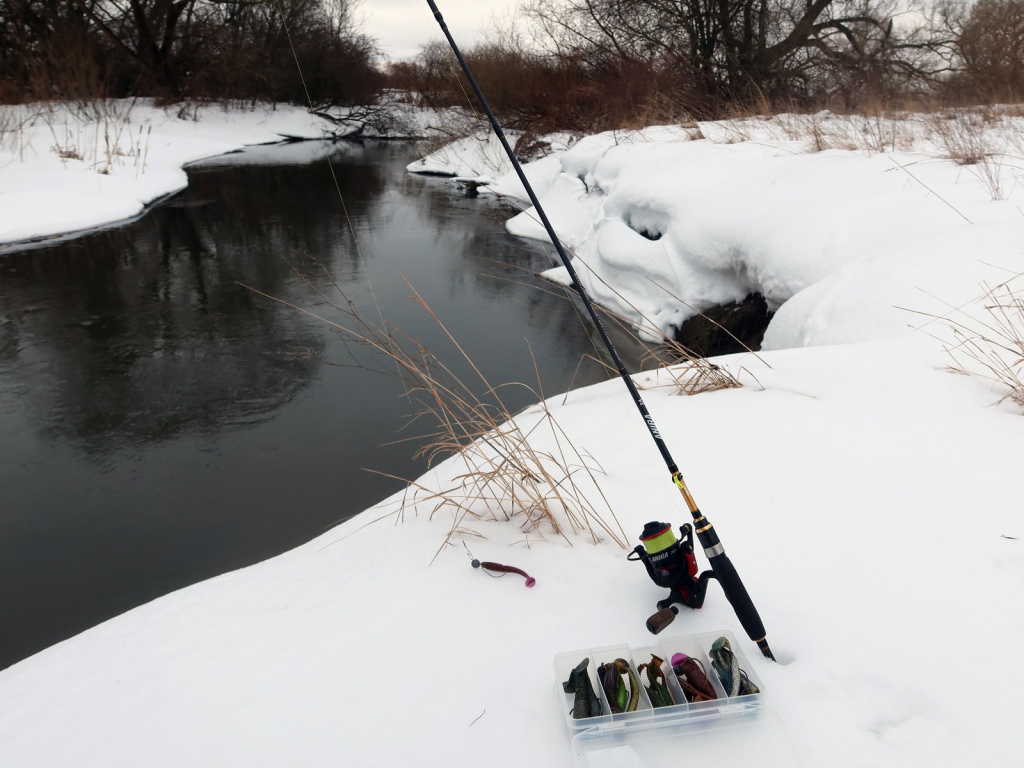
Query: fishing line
{"type": "Point", "coordinates": [496, 570]}
{"type": "Point", "coordinates": [565, 290]}
{"type": "Point", "coordinates": [334, 176]}
{"type": "Point", "coordinates": [348, 220]}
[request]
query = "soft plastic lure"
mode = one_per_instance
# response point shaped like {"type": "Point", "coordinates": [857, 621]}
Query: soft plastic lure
{"type": "Point", "coordinates": [734, 679]}
{"type": "Point", "coordinates": [620, 698]}
{"type": "Point", "coordinates": [657, 688]}
{"type": "Point", "coordinates": [585, 702]}
{"type": "Point", "coordinates": [690, 674]}
{"type": "Point", "coordinates": [499, 568]}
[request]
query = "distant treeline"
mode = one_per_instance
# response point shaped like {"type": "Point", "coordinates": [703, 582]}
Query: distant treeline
{"type": "Point", "coordinates": [608, 63]}
{"type": "Point", "coordinates": [568, 64]}
{"type": "Point", "coordinates": [174, 49]}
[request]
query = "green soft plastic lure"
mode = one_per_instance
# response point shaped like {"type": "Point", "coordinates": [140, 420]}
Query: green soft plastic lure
{"type": "Point", "coordinates": [620, 697]}
{"type": "Point", "coordinates": [585, 702]}
{"type": "Point", "coordinates": [657, 687]}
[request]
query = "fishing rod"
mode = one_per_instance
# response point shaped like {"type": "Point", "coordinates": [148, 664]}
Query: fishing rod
{"type": "Point", "coordinates": [723, 569]}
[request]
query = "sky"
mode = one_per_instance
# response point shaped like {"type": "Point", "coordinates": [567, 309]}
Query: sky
{"type": "Point", "coordinates": [401, 27]}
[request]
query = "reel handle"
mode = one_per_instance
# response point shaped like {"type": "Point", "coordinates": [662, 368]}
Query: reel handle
{"type": "Point", "coordinates": [658, 621]}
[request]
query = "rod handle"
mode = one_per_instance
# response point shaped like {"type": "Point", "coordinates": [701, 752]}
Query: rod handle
{"type": "Point", "coordinates": [741, 603]}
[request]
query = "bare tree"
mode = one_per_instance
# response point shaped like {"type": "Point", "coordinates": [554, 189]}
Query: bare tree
{"type": "Point", "coordinates": [147, 31]}
{"type": "Point", "coordinates": [991, 46]}
{"type": "Point", "coordinates": [33, 35]}
{"type": "Point", "coordinates": [173, 48]}
{"type": "Point", "coordinates": [732, 51]}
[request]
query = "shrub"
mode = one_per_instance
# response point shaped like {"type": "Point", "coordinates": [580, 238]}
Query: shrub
{"type": "Point", "coordinates": [991, 44]}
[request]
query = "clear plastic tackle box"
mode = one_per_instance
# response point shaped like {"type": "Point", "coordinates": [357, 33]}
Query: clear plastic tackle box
{"type": "Point", "coordinates": [725, 731]}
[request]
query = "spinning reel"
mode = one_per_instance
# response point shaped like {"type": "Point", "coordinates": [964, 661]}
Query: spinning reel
{"type": "Point", "coordinates": [670, 563]}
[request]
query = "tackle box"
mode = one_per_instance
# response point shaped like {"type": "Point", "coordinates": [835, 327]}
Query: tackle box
{"type": "Point", "coordinates": [723, 731]}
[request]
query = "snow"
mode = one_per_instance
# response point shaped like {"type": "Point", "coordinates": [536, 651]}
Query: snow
{"type": "Point", "coordinates": [65, 169]}
{"type": "Point", "coordinates": [848, 233]}
{"type": "Point", "coordinates": [868, 497]}
{"type": "Point", "coordinates": [474, 156]}
{"type": "Point", "coordinates": [481, 157]}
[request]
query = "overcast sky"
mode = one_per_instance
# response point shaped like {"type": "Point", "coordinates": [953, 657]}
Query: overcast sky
{"type": "Point", "coordinates": [402, 26]}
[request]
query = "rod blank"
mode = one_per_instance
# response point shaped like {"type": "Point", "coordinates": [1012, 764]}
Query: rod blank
{"type": "Point", "coordinates": [723, 568]}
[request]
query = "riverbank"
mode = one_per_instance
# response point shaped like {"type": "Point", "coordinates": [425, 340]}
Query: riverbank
{"type": "Point", "coordinates": [839, 479]}
{"type": "Point", "coordinates": [67, 168]}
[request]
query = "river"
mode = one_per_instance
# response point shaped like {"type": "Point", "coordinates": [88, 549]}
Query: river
{"type": "Point", "coordinates": [163, 422]}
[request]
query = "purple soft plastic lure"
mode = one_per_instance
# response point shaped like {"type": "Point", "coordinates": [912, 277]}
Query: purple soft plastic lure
{"type": "Point", "coordinates": [499, 568]}
{"type": "Point", "coordinates": [690, 674]}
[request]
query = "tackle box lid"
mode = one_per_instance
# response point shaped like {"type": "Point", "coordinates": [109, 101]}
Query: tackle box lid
{"type": "Point", "coordinates": [757, 739]}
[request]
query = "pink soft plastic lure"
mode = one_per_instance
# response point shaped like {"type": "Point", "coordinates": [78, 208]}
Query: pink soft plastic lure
{"type": "Point", "coordinates": [499, 568]}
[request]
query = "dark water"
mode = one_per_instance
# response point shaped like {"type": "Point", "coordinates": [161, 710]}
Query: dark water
{"type": "Point", "coordinates": [161, 424]}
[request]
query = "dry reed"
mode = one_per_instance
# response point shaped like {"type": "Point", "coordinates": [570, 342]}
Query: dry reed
{"type": "Point", "coordinates": [989, 342]}
{"type": "Point", "coordinates": [500, 473]}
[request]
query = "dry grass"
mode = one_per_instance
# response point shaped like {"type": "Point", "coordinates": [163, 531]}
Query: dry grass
{"type": "Point", "coordinates": [15, 119]}
{"type": "Point", "coordinates": [962, 134]}
{"type": "Point", "coordinates": [989, 342]}
{"type": "Point", "coordinates": [663, 109]}
{"type": "Point", "coordinates": [502, 475]}
{"type": "Point", "coordinates": [968, 138]}
{"type": "Point", "coordinates": [98, 133]}
{"type": "Point", "coordinates": [885, 133]}
{"type": "Point", "coordinates": [691, 374]}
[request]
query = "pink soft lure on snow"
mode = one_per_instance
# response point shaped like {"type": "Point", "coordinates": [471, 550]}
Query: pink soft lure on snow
{"type": "Point", "coordinates": [499, 568]}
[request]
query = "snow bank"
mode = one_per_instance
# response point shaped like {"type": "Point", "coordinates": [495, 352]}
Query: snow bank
{"type": "Point", "coordinates": [673, 227]}
{"type": "Point", "coordinates": [664, 223]}
{"type": "Point", "coordinates": [481, 157]}
{"type": "Point", "coordinates": [65, 168]}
